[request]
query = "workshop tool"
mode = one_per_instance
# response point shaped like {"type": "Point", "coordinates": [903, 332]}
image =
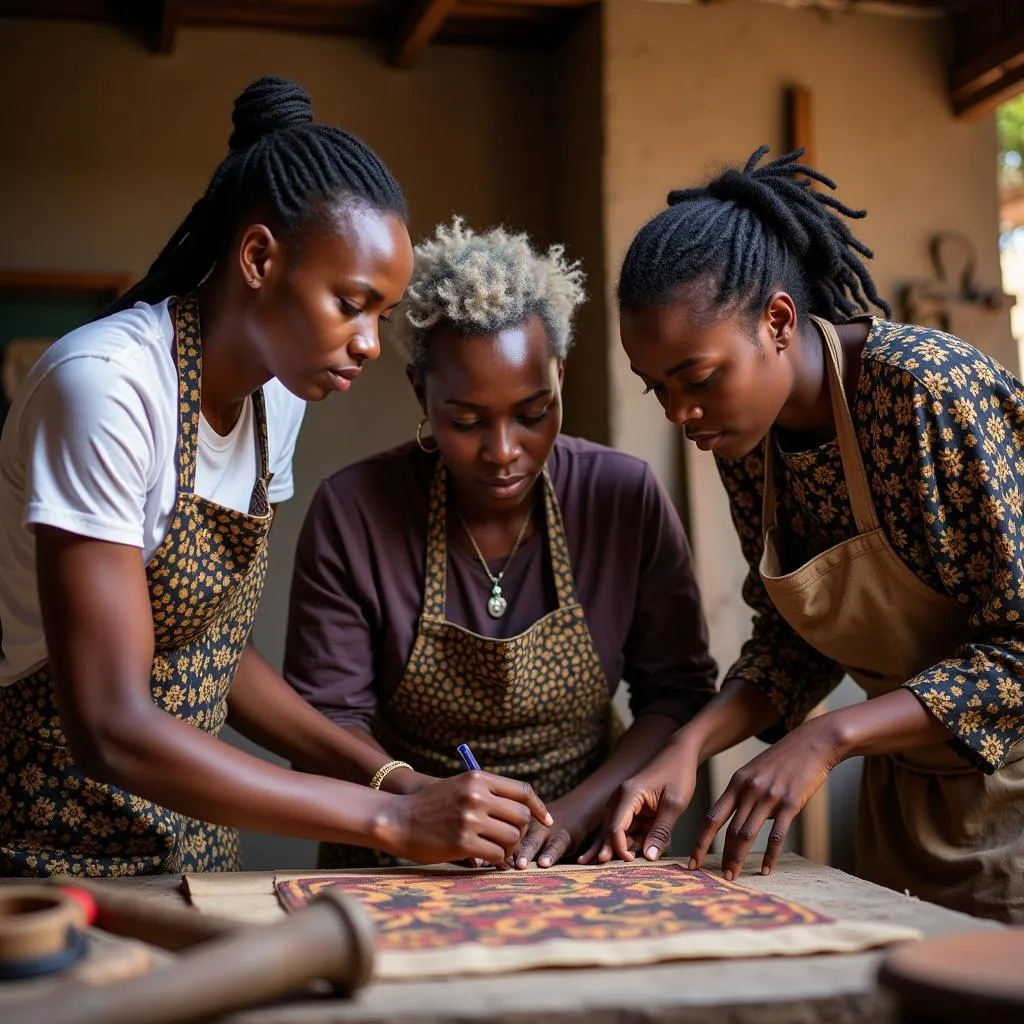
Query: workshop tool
{"type": "Point", "coordinates": [42, 930]}
{"type": "Point", "coordinates": [162, 924]}
{"type": "Point", "coordinates": [331, 939]}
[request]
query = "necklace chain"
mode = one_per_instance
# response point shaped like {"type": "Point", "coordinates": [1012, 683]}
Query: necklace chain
{"type": "Point", "coordinates": [496, 604]}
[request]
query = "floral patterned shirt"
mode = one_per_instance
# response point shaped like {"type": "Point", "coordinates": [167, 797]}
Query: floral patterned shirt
{"type": "Point", "coordinates": [941, 429]}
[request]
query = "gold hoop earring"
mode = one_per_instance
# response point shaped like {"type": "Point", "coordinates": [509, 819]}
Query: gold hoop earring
{"type": "Point", "coordinates": [419, 437]}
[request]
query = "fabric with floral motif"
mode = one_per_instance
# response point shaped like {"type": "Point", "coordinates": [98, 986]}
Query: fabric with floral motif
{"type": "Point", "coordinates": [941, 429]}
{"type": "Point", "coordinates": [434, 922]}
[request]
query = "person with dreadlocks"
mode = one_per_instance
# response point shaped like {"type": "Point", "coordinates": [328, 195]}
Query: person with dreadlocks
{"type": "Point", "coordinates": [139, 462]}
{"type": "Point", "coordinates": [461, 587]}
{"type": "Point", "coordinates": [874, 472]}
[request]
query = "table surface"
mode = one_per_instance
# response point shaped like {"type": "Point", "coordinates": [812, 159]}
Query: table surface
{"type": "Point", "coordinates": [772, 990]}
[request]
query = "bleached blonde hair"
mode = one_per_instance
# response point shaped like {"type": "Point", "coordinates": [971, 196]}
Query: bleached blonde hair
{"type": "Point", "coordinates": [483, 284]}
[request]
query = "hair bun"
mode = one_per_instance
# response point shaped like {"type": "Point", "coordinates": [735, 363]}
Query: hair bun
{"type": "Point", "coordinates": [268, 105]}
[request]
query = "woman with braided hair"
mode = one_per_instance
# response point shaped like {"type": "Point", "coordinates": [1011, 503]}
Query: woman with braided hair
{"type": "Point", "coordinates": [139, 462]}
{"type": "Point", "coordinates": [874, 471]}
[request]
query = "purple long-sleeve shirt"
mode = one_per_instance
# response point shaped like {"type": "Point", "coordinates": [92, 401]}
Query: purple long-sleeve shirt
{"type": "Point", "coordinates": [357, 590]}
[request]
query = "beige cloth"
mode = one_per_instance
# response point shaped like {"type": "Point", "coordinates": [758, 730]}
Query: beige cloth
{"type": "Point", "coordinates": [252, 897]}
{"type": "Point", "coordinates": [928, 823]}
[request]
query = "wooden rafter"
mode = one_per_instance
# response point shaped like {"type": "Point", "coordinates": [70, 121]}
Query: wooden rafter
{"type": "Point", "coordinates": [423, 24]}
{"type": "Point", "coordinates": [165, 25]}
{"type": "Point", "coordinates": [988, 58]}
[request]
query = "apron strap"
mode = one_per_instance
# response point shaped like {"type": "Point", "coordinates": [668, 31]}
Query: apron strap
{"type": "Point", "coordinates": [863, 505]}
{"type": "Point", "coordinates": [188, 352]}
{"type": "Point", "coordinates": [861, 502]}
{"type": "Point", "coordinates": [259, 501]}
{"type": "Point", "coordinates": [436, 569]}
{"type": "Point", "coordinates": [259, 422]}
{"type": "Point", "coordinates": [558, 545]}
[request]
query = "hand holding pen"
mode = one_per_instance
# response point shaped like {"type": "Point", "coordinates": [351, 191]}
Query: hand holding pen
{"type": "Point", "coordinates": [474, 815]}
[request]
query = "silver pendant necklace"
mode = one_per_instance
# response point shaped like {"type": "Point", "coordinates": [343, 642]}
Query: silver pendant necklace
{"type": "Point", "coordinates": [497, 605]}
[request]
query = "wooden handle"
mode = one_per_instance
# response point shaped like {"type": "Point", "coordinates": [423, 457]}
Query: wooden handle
{"type": "Point", "coordinates": [160, 924]}
{"type": "Point", "coordinates": [332, 938]}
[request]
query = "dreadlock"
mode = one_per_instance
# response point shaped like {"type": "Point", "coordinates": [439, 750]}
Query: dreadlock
{"type": "Point", "coordinates": [278, 160]}
{"type": "Point", "coordinates": [746, 234]}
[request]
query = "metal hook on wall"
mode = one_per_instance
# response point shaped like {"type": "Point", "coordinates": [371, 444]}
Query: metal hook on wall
{"type": "Point", "coordinates": [954, 259]}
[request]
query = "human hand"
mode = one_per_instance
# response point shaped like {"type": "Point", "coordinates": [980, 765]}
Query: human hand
{"type": "Point", "coordinates": [646, 807]}
{"type": "Point", "coordinates": [574, 820]}
{"type": "Point", "coordinates": [473, 815]}
{"type": "Point", "coordinates": [776, 784]}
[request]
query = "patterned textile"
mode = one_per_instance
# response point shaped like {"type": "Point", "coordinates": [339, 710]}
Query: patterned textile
{"type": "Point", "coordinates": [941, 429]}
{"type": "Point", "coordinates": [204, 584]}
{"type": "Point", "coordinates": [624, 913]}
{"type": "Point", "coordinates": [534, 707]}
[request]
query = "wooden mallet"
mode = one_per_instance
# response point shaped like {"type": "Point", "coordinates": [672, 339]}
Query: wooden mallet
{"type": "Point", "coordinates": [331, 939]}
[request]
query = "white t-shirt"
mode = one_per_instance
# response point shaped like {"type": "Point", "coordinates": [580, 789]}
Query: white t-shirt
{"type": "Point", "coordinates": [89, 447]}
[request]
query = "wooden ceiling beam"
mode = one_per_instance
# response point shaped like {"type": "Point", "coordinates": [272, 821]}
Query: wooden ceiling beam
{"type": "Point", "coordinates": [487, 10]}
{"type": "Point", "coordinates": [985, 95]}
{"type": "Point", "coordinates": [166, 19]}
{"type": "Point", "coordinates": [357, 17]}
{"type": "Point", "coordinates": [511, 5]}
{"type": "Point", "coordinates": [424, 22]}
{"type": "Point", "coordinates": [988, 56]}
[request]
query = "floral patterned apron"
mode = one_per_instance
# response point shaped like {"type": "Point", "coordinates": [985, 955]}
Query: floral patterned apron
{"type": "Point", "coordinates": [928, 822]}
{"type": "Point", "coordinates": [204, 583]}
{"type": "Point", "coordinates": [534, 707]}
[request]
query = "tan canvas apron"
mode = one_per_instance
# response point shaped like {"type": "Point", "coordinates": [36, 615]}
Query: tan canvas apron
{"type": "Point", "coordinates": [534, 707]}
{"type": "Point", "coordinates": [928, 822]}
{"type": "Point", "coordinates": [205, 582]}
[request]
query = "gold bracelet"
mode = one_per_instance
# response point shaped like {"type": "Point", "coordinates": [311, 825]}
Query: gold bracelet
{"type": "Point", "coordinates": [385, 770]}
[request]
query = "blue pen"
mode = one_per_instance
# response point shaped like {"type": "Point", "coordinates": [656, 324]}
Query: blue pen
{"type": "Point", "coordinates": [467, 758]}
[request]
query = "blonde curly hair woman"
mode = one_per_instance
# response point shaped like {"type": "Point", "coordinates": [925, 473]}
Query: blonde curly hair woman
{"type": "Point", "coordinates": [491, 581]}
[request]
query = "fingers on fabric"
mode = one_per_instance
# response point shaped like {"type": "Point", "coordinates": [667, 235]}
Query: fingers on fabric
{"type": "Point", "coordinates": [616, 844]}
{"type": "Point", "coordinates": [668, 808]}
{"type": "Point", "coordinates": [601, 851]}
{"type": "Point", "coordinates": [528, 848]}
{"type": "Point", "coordinates": [746, 806]}
{"type": "Point", "coordinates": [558, 842]}
{"type": "Point", "coordinates": [591, 853]}
{"type": "Point", "coordinates": [740, 834]}
{"type": "Point", "coordinates": [630, 804]}
{"type": "Point", "coordinates": [712, 825]}
{"type": "Point", "coordinates": [659, 835]}
{"type": "Point", "coordinates": [776, 838]}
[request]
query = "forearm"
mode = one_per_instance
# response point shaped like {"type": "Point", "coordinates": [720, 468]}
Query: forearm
{"type": "Point", "coordinates": [739, 711]}
{"type": "Point", "coordinates": [641, 742]}
{"type": "Point", "coordinates": [888, 724]}
{"type": "Point", "coordinates": [266, 710]}
{"type": "Point", "coordinates": [162, 759]}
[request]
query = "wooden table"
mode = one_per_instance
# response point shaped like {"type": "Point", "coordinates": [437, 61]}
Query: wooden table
{"type": "Point", "coordinates": [836, 989]}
